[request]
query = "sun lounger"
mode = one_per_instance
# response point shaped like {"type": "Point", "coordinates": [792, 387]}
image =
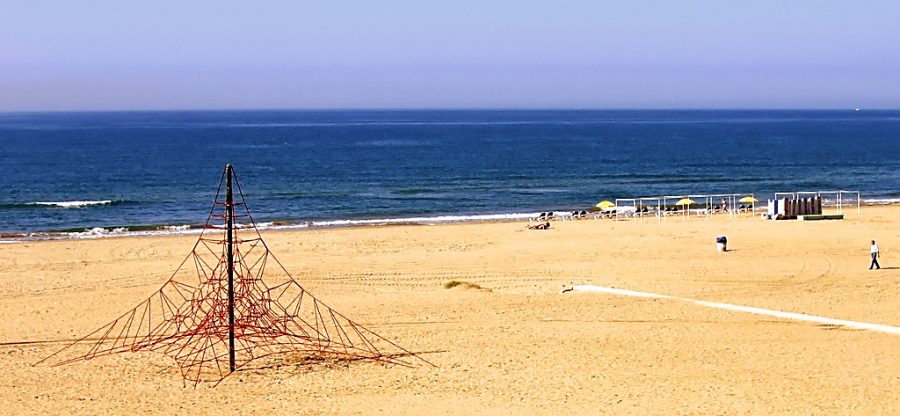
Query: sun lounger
{"type": "Point", "coordinates": [578, 215]}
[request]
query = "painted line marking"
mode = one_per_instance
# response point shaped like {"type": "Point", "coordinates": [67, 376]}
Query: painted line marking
{"type": "Point", "coordinates": [748, 309]}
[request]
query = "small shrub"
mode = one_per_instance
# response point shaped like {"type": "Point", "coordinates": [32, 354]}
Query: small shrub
{"type": "Point", "coordinates": [465, 285]}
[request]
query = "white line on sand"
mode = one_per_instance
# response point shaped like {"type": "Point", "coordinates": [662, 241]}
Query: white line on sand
{"type": "Point", "coordinates": [749, 309]}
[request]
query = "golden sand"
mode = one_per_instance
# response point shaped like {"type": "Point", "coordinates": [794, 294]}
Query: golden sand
{"type": "Point", "coordinates": [515, 346]}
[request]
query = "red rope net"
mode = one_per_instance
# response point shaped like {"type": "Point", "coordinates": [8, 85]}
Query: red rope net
{"type": "Point", "coordinates": [187, 319]}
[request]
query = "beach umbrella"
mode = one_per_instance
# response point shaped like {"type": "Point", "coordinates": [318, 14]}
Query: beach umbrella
{"type": "Point", "coordinates": [747, 199]}
{"type": "Point", "coordinates": [605, 204]}
{"type": "Point", "coordinates": [685, 201]}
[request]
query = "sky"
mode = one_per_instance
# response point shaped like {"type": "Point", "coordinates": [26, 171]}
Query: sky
{"type": "Point", "coordinates": [202, 54]}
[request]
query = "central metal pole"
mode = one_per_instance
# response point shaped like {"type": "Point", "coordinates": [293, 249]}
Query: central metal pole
{"type": "Point", "coordinates": [229, 238]}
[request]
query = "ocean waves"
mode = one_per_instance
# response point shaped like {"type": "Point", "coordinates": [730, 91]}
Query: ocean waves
{"type": "Point", "coordinates": [72, 204]}
{"type": "Point", "coordinates": [63, 204]}
{"type": "Point", "coordinates": [336, 168]}
{"type": "Point", "coordinates": [158, 230]}
{"type": "Point", "coordinates": [184, 229]}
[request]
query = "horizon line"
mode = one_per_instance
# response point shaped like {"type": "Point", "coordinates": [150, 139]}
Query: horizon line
{"type": "Point", "coordinates": [451, 109]}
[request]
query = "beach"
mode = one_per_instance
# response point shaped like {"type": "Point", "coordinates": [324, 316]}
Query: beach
{"type": "Point", "coordinates": [516, 345]}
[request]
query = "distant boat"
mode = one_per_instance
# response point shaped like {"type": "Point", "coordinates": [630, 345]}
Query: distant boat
{"type": "Point", "coordinates": [856, 109]}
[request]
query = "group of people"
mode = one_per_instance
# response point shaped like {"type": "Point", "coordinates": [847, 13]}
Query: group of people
{"type": "Point", "coordinates": [724, 207]}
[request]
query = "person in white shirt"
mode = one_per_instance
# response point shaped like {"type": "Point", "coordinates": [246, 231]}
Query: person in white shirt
{"type": "Point", "coordinates": [875, 256]}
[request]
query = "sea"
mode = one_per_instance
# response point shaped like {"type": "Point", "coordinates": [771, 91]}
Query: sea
{"type": "Point", "coordinates": [94, 174]}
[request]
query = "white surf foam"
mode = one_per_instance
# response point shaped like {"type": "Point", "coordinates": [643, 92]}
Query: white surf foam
{"type": "Point", "coordinates": [881, 201]}
{"type": "Point", "coordinates": [73, 204]}
{"type": "Point", "coordinates": [100, 232]}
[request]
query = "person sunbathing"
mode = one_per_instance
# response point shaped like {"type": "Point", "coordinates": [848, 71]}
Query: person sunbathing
{"type": "Point", "coordinates": [541, 226]}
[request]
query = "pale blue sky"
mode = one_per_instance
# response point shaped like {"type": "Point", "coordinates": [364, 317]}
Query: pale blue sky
{"type": "Point", "coordinates": [199, 54]}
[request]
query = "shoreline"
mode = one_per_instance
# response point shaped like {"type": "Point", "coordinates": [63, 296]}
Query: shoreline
{"type": "Point", "coordinates": [269, 226]}
{"type": "Point", "coordinates": [166, 230]}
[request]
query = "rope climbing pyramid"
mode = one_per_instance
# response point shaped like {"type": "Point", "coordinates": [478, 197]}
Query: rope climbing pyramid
{"type": "Point", "coordinates": [230, 302]}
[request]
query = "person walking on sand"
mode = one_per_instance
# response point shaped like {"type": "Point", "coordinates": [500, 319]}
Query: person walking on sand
{"type": "Point", "coordinates": [875, 255]}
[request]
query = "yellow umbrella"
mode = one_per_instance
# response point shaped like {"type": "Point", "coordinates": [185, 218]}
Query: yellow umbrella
{"type": "Point", "coordinates": [747, 199]}
{"type": "Point", "coordinates": [685, 201]}
{"type": "Point", "coordinates": [605, 204]}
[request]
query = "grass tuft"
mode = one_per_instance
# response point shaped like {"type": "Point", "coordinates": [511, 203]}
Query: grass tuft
{"type": "Point", "coordinates": [465, 285]}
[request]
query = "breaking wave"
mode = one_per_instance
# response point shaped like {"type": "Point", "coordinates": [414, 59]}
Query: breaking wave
{"type": "Point", "coordinates": [73, 204]}
{"type": "Point", "coordinates": [62, 204]}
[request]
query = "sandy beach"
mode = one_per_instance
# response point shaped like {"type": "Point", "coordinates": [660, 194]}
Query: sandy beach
{"type": "Point", "coordinates": [515, 346]}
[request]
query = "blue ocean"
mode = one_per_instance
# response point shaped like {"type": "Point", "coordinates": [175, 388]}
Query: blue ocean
{"type": "Point", "coordinates": [75, 173]}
